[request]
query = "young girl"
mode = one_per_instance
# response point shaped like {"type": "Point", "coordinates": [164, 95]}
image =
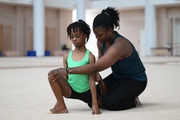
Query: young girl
{"type": "Point", "coordinates": [128, 78]}
{"type": "Point", "coordinates": [75, 86]}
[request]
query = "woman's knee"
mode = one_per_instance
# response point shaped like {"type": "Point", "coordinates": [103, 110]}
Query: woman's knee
{"type": "Point", "coordinates": [109, 104]}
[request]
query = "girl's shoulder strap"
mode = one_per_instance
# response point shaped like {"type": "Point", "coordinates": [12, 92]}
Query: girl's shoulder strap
{"type": "Point", "coordinates": [69, 55]}
{"type": "Point", "coordinates": [87, 55]}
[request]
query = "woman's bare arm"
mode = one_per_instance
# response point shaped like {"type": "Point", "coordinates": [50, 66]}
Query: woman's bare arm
{"type": "Point", "coordinates": [120, 48]}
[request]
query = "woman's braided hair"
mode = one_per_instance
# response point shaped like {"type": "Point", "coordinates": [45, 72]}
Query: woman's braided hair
{"type": "Point", "coordinates": [108, 19]}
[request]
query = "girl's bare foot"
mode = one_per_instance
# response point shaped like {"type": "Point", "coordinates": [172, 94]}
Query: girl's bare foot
{"type": "Point", "coordinates": [58, 109]}
{"type": "Point", "coordinates": [55, 106]}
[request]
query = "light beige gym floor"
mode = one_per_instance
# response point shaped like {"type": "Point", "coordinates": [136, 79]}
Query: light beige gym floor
{"type": "Point", "coordinates": [25, 93]}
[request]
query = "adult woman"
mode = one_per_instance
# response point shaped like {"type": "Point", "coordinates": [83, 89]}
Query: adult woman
{"type": "Point", "coordinates": [128, 78]}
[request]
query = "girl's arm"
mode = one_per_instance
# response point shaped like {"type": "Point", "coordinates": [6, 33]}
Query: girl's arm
{"type": "Point", "coordinates": [54, 73]}
{"type": "Point", "coordinates": [102, 86]}
{"type": "Point", "coordinates": [65, 65]}
{"type": "Point", "coordinates": [95, 108]}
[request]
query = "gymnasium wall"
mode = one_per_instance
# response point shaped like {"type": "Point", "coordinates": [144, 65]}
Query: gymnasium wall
{"type": "Point", "coordinates": [16, 28]}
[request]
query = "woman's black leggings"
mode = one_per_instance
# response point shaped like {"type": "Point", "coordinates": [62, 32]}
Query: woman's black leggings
{"type": "Point", "coordinates": [121, 93]}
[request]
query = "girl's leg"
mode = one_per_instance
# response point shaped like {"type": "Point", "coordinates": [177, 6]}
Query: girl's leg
{"type": "Point", "coordinates": [122, 95]}
{"type": "Point", "coordinates": [60, 88]}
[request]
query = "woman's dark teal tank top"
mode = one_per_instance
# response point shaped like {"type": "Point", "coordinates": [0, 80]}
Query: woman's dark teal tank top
{"type": "Point", "coordinates": [131, 67]}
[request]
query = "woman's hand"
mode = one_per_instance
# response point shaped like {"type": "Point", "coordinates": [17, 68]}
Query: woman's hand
{"type": "Point", "coordinates": [95, 109]}
{"type": "Point", "coordinates": [56, 73]}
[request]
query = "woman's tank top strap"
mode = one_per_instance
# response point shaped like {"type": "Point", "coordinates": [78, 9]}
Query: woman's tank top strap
{"type": "Point", "coordinates": [104, 45]}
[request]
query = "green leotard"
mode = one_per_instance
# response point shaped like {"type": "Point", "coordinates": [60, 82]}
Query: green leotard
{"type": "Point", "coordinates": [78, 82]}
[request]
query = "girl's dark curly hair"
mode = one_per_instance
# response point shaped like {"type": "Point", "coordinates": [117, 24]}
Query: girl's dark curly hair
{"type": "Point", "coordinates": [108, 19]}
{"type": "Point", "coordinates": [81, 26]}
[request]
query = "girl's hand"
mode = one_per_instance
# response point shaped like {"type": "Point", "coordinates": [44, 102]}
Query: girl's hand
{"type": "Point", "coordinates": [95, 109]}
{"type": "Point", "coordinates": [56, 73]}
{"type": "Point", "coordinates": [98, 77]}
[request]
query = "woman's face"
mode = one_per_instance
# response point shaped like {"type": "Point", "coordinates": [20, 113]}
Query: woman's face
{"type": "Point", "coordinates": [102, 35]}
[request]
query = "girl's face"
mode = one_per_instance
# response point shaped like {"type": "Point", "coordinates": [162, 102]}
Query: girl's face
{"type": "Point", "coordinates": [102, 35]}
{"type": "Point", "coordinates": [77, 38]}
